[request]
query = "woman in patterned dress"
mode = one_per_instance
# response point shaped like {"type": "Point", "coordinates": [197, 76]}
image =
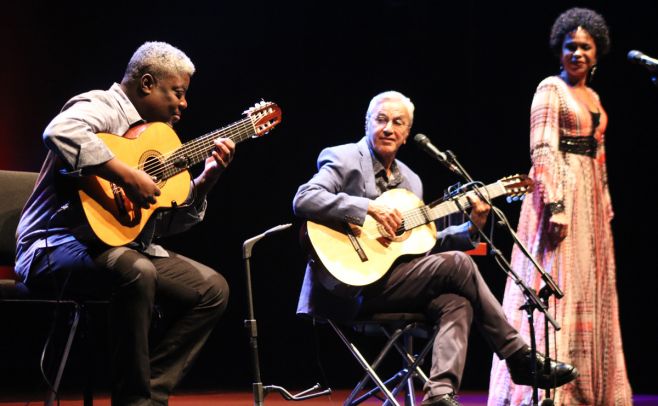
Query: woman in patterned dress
{"type": "Point", "coordinates": [565, 224]}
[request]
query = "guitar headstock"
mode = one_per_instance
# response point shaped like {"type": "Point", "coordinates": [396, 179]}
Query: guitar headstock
{"type": "Point", "coordinates": [517, 186]}
{"type": "Point", "coordinates": [264, 117]}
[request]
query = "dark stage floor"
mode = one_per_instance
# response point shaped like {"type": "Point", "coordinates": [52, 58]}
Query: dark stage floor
{"type": "Point", "coordinates": [246, 399]}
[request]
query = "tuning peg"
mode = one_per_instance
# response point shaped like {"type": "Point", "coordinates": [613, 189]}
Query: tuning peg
{"type": "Point", "coordinates": [250, 109]}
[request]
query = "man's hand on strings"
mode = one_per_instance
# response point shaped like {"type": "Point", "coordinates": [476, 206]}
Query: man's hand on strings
{"type": "Point", "coordinates": [215, 164]}
{"type": "Point", "coordinates": [388, 217]}
{"type": "Point", "coordinates": [140, 188]}
{"type": "Point", "coordinates": [220, 158]}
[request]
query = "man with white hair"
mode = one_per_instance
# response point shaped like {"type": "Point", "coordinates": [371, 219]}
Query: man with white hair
{"type": "Point", "coordinates": [445, 285]}
{"type": "Point", "coordinates": [58, 254]}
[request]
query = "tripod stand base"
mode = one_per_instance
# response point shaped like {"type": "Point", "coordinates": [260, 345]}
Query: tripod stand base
{"type": "Point", "coordinates": [303, 395]}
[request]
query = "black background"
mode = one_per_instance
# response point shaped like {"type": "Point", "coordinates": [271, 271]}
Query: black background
{"type": "Point", "coordinates": [471, 69]}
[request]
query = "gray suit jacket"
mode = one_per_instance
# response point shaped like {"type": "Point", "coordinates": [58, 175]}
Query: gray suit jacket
{"type": "Point", "coordinates": [340, 192]}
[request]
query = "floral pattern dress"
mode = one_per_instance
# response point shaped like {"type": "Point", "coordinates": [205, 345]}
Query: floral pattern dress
{"type": "Point", "coordinates": [568, 156]}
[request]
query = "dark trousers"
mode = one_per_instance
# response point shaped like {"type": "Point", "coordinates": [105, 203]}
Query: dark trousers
{"type": "Point", "coordinates": [194, 295]}
{"type": "Point", "coordinates": [449, 288]}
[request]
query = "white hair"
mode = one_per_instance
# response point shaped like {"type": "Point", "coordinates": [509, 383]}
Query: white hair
{"type": "Point", "coordinates": [391, 95]}
{"type": "Point", "coordinates": [159, 59]}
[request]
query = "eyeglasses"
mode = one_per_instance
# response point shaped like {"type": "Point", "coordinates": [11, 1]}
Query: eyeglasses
{"type": "Point", "coordinates": [396, 122]}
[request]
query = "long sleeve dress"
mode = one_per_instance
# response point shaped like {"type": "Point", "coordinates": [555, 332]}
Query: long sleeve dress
{"type": "Point", "coordinates": [568, 156]}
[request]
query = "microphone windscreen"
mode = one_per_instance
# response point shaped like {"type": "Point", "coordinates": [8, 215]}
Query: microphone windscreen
{"type": "Point", "coordinates": [421, 138]}
{"type": "Point", "coordinates": [634, 55]}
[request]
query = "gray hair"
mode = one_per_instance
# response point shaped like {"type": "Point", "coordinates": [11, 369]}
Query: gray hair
{"type": "Point", "coordinates": [391, 95]}
{"type": "Point", "coordinates": [159, 59]}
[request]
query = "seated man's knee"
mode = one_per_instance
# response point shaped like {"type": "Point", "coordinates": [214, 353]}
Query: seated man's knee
{"type": "Point", "coordinates": [458, 262]}
{"type": "Point", "coordinates": [217, 293]}
{"type": "Point", "coordinates": [462, 262]}
{"type": "Point", "coordinates": [128, 267]}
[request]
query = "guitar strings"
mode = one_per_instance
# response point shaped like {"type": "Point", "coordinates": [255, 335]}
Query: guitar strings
{"type": "Point", "coordinates": [198, 148]}
{"type": "Point", "coordinates": [412, 218]}
{"type": "Point", "coordinates": [417, 216]}
{"type": "Point", "coordinates": [194, 147]}
{"type": "Point", "coordinates": [422, 215]}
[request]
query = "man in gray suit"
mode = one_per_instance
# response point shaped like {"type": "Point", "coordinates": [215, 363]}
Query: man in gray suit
{"type": "Point", "coordinates": [446, 284]}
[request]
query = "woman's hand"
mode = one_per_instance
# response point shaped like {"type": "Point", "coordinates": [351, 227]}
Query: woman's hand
{"type": "Point", "coordinates": [558, 228]}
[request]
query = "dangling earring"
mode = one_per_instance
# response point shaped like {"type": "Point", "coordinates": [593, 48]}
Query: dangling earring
{"type": "Point", "coordinates": [591, 73]}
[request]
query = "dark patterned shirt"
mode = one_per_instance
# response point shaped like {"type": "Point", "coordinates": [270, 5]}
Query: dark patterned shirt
{"type": "Point", "coordinates": [382, 180]}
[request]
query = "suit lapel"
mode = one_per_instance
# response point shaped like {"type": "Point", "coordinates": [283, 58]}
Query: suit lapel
{"type": "Point", "coordinates": [366, 169]}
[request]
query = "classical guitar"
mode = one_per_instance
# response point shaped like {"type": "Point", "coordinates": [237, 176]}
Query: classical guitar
{"type": "Point", "coordinates": [356, 256]}
{"type": "Point", "coordinates": [156, 149]}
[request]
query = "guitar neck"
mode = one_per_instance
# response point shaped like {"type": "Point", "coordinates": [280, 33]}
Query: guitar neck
{"type": "Point", "coordinates": [197, 150]}
{"type": "Point", "coordinates": [425, 214]}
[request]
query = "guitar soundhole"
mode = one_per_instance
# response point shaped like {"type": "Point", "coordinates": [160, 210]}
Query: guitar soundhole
{"type": "Point", "coordinates": [400, 230]}
{"type": "Point", "coordinates": [153, 165]}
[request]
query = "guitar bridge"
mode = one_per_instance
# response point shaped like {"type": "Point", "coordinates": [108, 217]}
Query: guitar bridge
{"type": "Point", "coordinates": [355, 243]}
{"type": "Point", "coordinates": [119, 197]}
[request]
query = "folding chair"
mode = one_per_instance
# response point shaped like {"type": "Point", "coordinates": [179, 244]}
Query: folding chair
{"type": "Point", "coordinates": [400, 329]}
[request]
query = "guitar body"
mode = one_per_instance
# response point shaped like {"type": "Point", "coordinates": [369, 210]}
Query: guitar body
{"type": "Point", "coordinates": [119, 222]}
{"type": "Point", "coordinates": [356, 256]}
{"type": "Point", "coordinates": [155, 149]}
{"type": "Point", "coordinates": [339, 257]}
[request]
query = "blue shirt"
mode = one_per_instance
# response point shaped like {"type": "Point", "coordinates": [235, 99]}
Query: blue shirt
{"type": "Point", "coordinates": [51, 211]}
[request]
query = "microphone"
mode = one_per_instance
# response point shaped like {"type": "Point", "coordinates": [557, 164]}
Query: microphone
{"type": "Point", "coordinates": [424, 142]}
{"type": "Point", "coordinates": [641, 59]}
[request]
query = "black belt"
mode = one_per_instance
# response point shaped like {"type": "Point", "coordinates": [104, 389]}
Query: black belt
{"type": "Point", "coordinates": [579, 145]}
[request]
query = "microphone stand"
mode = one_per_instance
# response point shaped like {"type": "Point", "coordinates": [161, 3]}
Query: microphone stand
{"type": "Point", "coordinates": [533, 302]}
{"type": "Point", "coordinates": [259, 390]}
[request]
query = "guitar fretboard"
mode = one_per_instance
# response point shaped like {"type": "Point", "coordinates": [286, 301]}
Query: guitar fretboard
{"type": "Point", "coordinates": [198, 150]}
{"type": "Point", "coordinates": [422, 215]}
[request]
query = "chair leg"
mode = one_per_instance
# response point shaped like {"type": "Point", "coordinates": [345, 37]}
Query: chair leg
{"type": "Point", "coordinates": [409, 393]}
{"type": "Point", "coordinates": [392, 338]}
{"type": "Point", "coordinates": [412, 363]}
{"type": "Point", "coordinates": [53, 393]}
{"type": "Point", "coordinates": [88, 340]}
{"type": "Point", "coordinates": [372, 392]}
{"type": "Point", "coordinates": [364, 364]}
{"type": "Point", "coordinates": [412, 360]}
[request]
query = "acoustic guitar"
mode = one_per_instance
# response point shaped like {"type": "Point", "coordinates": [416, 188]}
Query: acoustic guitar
{"type": "Point", "coordinates": [156, 149]}
{"type": "Point", "coordinates": [358, 256]}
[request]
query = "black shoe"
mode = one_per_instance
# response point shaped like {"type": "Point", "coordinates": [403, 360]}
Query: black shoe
{"type": "Point", "coordinates": [448, 399]}
{"type": "Point", "coordinates": [520, 369]}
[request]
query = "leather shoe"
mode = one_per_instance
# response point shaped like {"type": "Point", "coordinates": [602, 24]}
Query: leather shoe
{"type": "Point", "coordinates": [521, 371]}
{"type": "Point", "coordinates": [449, 399]}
